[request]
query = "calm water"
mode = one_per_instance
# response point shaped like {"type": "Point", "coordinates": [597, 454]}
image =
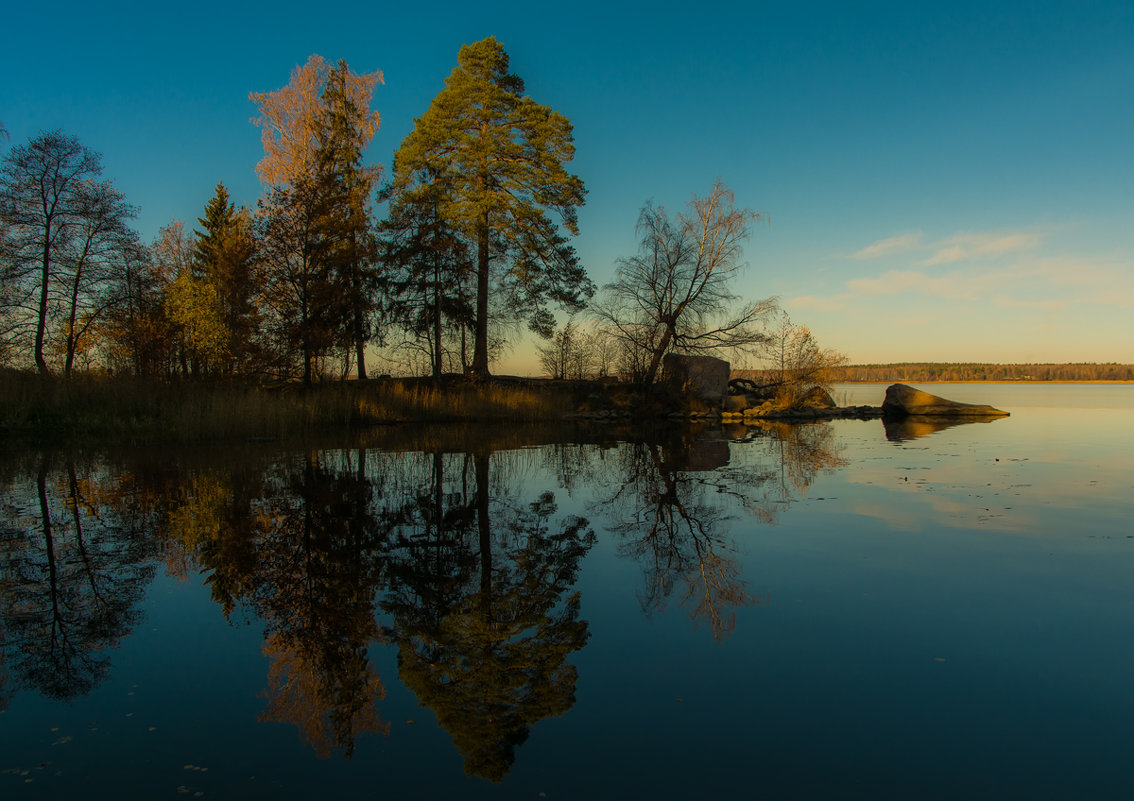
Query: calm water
{"type": "Point", "coordinates": [829, 611]}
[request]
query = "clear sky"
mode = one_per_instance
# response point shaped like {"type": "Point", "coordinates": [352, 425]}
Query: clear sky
{"type": "Point", "coordinates": [949, 181]}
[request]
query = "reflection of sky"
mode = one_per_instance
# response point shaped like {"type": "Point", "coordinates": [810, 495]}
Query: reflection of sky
{"type": "Point", "coordinates": [1039, 471]}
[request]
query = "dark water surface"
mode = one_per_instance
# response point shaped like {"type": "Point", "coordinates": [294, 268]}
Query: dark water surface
{"type": "Point", "coordinates": [827, 611]}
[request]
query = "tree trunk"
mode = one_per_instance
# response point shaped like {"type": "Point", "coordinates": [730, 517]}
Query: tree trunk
{"type": "Point", "coordinates": [484, 527]}
{"type": "Point", "coordinates": [655, 360]}
{"type": "Point", "coordinates": [41, 326]}
{"type": "Point", "coordinates": [360, 356]}
{"type": "Point", "coordinates": [480, 347]}
{"type": "Point", "coordinates": [436, 321]}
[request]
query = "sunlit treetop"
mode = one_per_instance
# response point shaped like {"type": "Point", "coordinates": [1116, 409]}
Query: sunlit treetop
{"type": "Point", "coordinates": [291, 119]}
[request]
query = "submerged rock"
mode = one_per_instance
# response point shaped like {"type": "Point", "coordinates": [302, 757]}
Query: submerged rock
{"type": "Point", "coordinates": [905, 401]}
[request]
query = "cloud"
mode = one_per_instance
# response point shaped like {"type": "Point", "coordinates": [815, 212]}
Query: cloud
{"type": "Point", "coordinates": [1005, 302]}
{"type": "Point", "coordinates": [886, 247]}
{"type": "Point", "coordinates": [971, 246]}
{"type": "Point", "coordinates": [816, 303]}
{"type": "Point", "coordinates": [896, 282]}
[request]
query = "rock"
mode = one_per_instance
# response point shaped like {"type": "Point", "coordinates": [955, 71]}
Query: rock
{"type": "Point", "coordinates": [704, 377]}
{"type": "Point", "coordinates": [817, 398]}
{"type": "Point", "coordinates": [903, 401]}
{"type": "Point", "coordinates": [734, 404]}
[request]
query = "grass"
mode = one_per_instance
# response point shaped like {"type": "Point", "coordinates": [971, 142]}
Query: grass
{"type": "Point", "coordinates": [135, 410]}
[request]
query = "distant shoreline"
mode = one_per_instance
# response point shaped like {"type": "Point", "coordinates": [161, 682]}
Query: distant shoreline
{"type": "Point", "coordinates": [1028, 381]}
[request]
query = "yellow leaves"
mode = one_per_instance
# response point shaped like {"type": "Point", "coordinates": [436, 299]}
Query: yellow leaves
{"type": "Point", "coordinates": [291, 118]}
{"type": "Point", "coordinates": [194, 306]}
{"type": "Point", "coordinates": [199, 520]}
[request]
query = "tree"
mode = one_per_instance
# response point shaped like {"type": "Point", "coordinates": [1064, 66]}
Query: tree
{"type": "Point", "coordinates": [797, 365]}
{"type": "Point", "coordinates": [292, 117]}
{"type": "Point", "coordinates": [224, 262]}
{"type": "Point", "coordinates": [675, 293]}
{"type": "Point", "coordinates": [101, 246]}
{"type": "Point", "coordinates": [428, 271]}
{"type": "Point", "coordinates": [497, 159]}
{"type": "Point", "coordinates": [314, 220]}
{"type": "Point", "coordinates": [43, 198]}
{"type": "Point", "coordinates": [347, 242]}
{"type": "Point", "coordinates": [569, 354]}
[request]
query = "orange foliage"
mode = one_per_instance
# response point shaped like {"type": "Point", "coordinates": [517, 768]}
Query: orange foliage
{"type": "Point", "coordinates": [290, 119]}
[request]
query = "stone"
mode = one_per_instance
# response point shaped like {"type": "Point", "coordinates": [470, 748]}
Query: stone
{"type": "Point", "coordinates": [903, 400]}
{"type": "Point", "coordinates": [734, 403]}
{"type": "Point", "coordinates": [817, 398]}
{"type": "Point", "coordinates": [702, 377]}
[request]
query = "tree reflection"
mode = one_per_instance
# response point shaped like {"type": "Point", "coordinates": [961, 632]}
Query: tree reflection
{"type": "Point", "coordinates": [301, 547]}
{"type": "Point", "coordinates": [671, 502]}
{"type": "Point", "coordinates": [482, 616]}
{"type": "Point", "coordinates": [74, 568]}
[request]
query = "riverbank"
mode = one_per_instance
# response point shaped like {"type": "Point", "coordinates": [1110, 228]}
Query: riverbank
{"type": "Point", "coordinates": [127, 409]}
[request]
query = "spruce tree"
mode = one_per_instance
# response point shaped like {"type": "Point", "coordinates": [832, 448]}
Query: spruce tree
{"type": "Point", "coordinates": [224, 260]}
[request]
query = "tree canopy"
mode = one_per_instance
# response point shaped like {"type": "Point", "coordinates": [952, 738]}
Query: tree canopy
{"type": "Point", "coordinates": [495, 159]}
{"type": "Point", "coordinates": [676, 292]}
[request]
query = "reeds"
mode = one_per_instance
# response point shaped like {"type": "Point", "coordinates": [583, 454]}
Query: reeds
{"type": "Point", "coordinates": [129, 409]}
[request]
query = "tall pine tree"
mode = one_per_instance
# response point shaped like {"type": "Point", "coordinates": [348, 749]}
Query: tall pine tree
{"type": "Point", "coordinates": [498, 159]}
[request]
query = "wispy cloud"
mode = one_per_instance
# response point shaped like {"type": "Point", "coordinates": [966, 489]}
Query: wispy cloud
{"type": "Point", "coordinates": [958, 247]}
{"type": "Point", "coordinates": [901, 243]}
{"type": "Point", "coordinates": [817, 303]}
{"type": "Point", "coordinates": [973, 246]}
{"type": "Point", "coordinates": [1016, 303]}
{"type": "Point", "coordinates": [897, 282]}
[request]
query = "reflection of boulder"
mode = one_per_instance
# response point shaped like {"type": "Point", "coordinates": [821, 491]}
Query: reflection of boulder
{"type": "Point", "coordinates": [899, 430]}
{"type": "Point", "coordinates": [904, 401]}
{"type": "Point", "coordinates": [704, 377]}
{"type": "Point", "coordinates": [698, 456]}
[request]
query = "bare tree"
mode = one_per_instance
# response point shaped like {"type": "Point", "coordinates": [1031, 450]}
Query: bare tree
{"type": "Point", "coordinates": [797, 365]}
{"type": "Point", "coordinates": [41, 202]}
{"type": "Point", "coordinates": [675, 294]}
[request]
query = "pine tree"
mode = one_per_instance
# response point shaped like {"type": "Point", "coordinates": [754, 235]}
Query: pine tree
{"type": "Point", "coordinates": [429, 272]}
{"type": "Point", "coordinates": [498, 159]}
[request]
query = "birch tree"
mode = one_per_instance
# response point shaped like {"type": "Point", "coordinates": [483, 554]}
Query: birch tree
{"type": "Point", "coordinates": [676, 293]}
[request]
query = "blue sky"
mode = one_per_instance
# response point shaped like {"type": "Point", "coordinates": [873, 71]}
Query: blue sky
{"type": "Point", "coordinates": [944, 181]}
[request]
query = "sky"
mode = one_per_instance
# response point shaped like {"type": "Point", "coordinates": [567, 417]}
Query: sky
{"type": "Point", "coordinates": [941, 181]}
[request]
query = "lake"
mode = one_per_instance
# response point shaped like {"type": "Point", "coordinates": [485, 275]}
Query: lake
{"type": "Point", "coordinates": [834, 610]}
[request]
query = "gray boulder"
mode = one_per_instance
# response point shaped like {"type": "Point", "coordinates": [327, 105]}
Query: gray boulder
{"type": "Point", "coordinates": [905, 401]}
{"type": "Point", "coordinates": [704, 377]}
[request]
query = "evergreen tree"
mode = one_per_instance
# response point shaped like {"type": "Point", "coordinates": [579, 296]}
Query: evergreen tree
{"type": "Point", "coordinates": [224, 258]}
{"type": "Point", "coordinates": [498, 159]}
{"type": "Point", "coordinates": [314, 219]}
{"type": "Point", "coordinates": [429, 272]}
{"type": "Point", "coordinates": [346, 243]}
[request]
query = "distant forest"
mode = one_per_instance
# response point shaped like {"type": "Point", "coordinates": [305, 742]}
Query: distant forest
{"type": "Point", "coordinates": [941, 371]}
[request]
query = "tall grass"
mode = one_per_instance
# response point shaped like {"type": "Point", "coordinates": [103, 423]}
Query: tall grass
{"type": "Point", "coordinates": [129, 409]}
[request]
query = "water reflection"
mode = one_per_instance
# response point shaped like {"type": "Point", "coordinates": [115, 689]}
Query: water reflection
{"type": "Point", "coordinates": [671, 502]}
{"type": "Point", "coordinates": [482, 612]}
{"type": "Point", "coordinates": [453, 552]}
{"type": "Point", "coordinates": [913, 427]}
{"type": "Point", "coordinates": [74, 564]}
{"type": "Point", "coordinates": [301, 547]}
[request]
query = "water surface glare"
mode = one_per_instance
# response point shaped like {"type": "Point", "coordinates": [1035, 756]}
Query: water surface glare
{"type": "Point", "coordinates": [832, 610]}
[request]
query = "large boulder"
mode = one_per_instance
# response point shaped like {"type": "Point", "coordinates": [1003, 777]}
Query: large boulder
{"type": "Point", "coordinates": [704, 377]}
{"type": "Point", "coordinates": [817, 398]}
{"type": "Point", "coordinates": [905, 401]}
